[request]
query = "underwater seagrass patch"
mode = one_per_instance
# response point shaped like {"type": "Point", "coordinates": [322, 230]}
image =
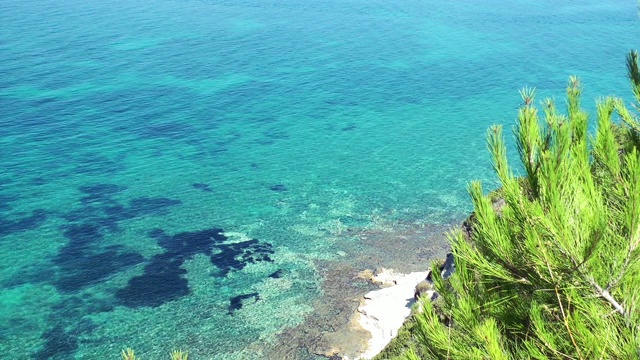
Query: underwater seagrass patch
{"type": "Point", "coordinates": [163, 278]}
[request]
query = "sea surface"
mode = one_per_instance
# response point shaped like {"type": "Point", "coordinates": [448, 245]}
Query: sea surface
{"type": "Point", "coordinates": [172, 172]}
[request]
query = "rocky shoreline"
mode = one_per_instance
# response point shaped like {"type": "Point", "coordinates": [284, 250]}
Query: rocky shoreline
{"type": "Point", "coordinates": [334, 329]}
{"type": "Point", "coordinates": [384, 311]}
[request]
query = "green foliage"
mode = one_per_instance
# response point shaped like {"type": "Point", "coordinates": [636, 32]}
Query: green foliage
{"type": "Point", "coordinates": [129, 354]}
{"type": "Point", "coordinates": [555, 273]}
{"type": "Point", "coordinates": [179, 355]}
{"type": "Point", "coordinates": [400, 344]}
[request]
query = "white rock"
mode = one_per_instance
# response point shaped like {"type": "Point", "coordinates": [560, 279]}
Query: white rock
{"type": "Point", "coordinates": [382, 312]}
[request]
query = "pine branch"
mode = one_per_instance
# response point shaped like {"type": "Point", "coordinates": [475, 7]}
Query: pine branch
{"type": "Point", "coordinates": [607, 296]}
{"type": "Point", "coordinates": [633, 70]}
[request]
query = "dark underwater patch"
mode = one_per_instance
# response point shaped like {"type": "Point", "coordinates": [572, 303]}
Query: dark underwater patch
{"type": "Point", "coordinates": [203, 187]}
{"type": "Point", "coordinates": [80, 237]}
{"type": "Point", "coordinates": [95, 215]}
{"type": "Point", "coordinates": [84, 326]}
{"type": "Point", "coordinates": [163, 278]}
{"type": "Point", "coordinates": [10, 226]}
{"type": "Point", "coordinates": [57, 344]}
{"type": "Point", "coordinates": [237, 256]}
{"type": "Point", "coordinates": [187, 244]}
{"type": "Point", "coordinates": [161, 282]}
{"type": "Point", "coordinates": [68, 322]}
{"type": "Point", "coordinates": [276, 274]}
{"type": "Point", "coordinates": [91, 269]}
{"type": "Point", "coordinates": [237, 302]}
{"type": "Point", "coordinates": [82, 263]}
{"type": "Point", "coordinates": [5, 200]}
{"type": "Point", "coordinates": [102, 210]}
{"type": "Point", "coordinates": [278, 188]}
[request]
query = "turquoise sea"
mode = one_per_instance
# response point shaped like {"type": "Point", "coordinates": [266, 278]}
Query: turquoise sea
{"type": "Point", "coordinates": [211, 174]}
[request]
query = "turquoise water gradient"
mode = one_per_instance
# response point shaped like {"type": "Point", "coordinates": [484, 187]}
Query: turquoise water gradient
{"type": "Point", "coordinates": [170, 170]}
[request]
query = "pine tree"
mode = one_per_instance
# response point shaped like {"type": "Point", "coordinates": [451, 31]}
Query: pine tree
{"type": "Point", "coordinates": [554, 272]}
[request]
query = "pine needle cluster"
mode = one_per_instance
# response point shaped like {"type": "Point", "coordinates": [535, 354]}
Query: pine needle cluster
{"type": "Point", "coordinates": [555, 272]}
{"type": "Point", "coordinates": [129, 354]}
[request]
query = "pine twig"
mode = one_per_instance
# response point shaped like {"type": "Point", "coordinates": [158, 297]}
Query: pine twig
{"type": "Point", "coordinates": [604, 293]}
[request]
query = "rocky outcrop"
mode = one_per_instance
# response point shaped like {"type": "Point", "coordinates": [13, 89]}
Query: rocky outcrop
{"type": "Point", "coordinates": [382, 312]}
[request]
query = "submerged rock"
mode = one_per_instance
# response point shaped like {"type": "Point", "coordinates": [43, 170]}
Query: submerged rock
{"type": "Point", "coordinates": [201, 186]}
{"type": "Point", "coordinates": [278, 188]}
{"type": "Point", "coordinates": [237, 302]}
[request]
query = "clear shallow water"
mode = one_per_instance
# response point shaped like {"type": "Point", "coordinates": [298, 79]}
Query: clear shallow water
{"type": "Point", "coordinates": [134, 133]}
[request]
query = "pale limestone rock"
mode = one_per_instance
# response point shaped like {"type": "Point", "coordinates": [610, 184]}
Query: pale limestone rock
{"type": "Point", "coordinates": [382, 312]}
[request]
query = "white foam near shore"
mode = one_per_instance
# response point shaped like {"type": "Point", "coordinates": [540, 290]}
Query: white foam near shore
{"type": "Point", "coordinates": [382, 312]}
